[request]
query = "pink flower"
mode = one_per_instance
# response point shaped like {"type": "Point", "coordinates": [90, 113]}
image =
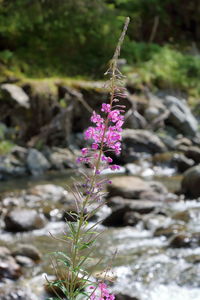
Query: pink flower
{"type": "Point", "coordinates": [84, 151]}
{"type": "Point", "coordinates": [101, 293]}
{"type": "Point", "coordinates": [105, 107]}
{"type": "Point", "coordinates": [114, 167]}
{"type": "Point", "coordinates": [95, 146]}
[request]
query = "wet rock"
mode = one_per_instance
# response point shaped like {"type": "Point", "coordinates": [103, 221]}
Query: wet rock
{"type": "Point", "coordinates": [180, 115]}
{"type": "Point", "coordinates": [127, 212]}
{"type": "Point", "coordinates": [131, 218]}
{"type": "Point", "coordinates": [20, 153]}
{"type": "Point", "coordinates": [15, 93]}
{"type": "Point", "coordinates": [138, 141]}
{"type": "Point", "coordinates": [170, 231]}
{"type": "Point", "coordinates": [8, 265]}
{"type": "Point", "coordinates": [180, 241]}
{"type": "Point", "coordinates": [13, 293]}
{"type": "Point", "coordinates": [36, 162]}
{"type": "Point", "coordinates": [193, 258]}
{"type": "Point", "coordinates": [24, 261]}
{"type": "Point", "coordinates": [132, 187]}
{"type": "Point", "coordinates": [125, 297]}
{"type": "Point", "coordinates": [190, 184]}
{"type": "Point", "coordinates": [62, 158]}
{"type": "Point", "coordinates": [28, 251]}
{"type": "Point", "coordinates": [11, 167]}
{"type": "Point", "coordinates": [140, 206]}
{"type": "Point", "coordinates": [182, 163]}
{"type": "Point", "coordinates": [194, 153]}
{"type": "Point", "coordinates": [23, 220]}
{"type": "Point", "coordinates": [49, 192]}
{"type": "Point", "coordinates": [182, 216]}
{"type": "Point", "coordinates": [182, 142]}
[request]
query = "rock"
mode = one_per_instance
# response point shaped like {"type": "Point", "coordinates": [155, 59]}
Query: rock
{"type": "Point", "coordinates": [193, 153]}
{"type": "Point", "coordinates": [125, 297]}
{"type": "Point", "coordinates": [131, 218]}
{"type": "Point", "coordinates": [20, 153]}
{"type": "Point", "coordinates": [182, 163]}
{"type": "Point", "coordinates": [181, 241]}
{"type": "Point", "coordinates": [16, 93]}
{"type": "Point", "coordinates": [132, 187]}
{"type": "Point", "coordinates": [23, 220]}
{"type": "Point", "coordinates": [36, 162]}
{"type": "Point", "coordinates": [49, 192]}
{"type": "Point", "coordinates": [28, 251]}
{"type": "Point", "coordinates": [24, 261]}
{"type": "Point", "coordinates": [62, 158]}
{"type": "Point", "coordinates": [180, 115]}
{"type": "Point", "coordinates": [151, 113]}
{"type": "Point", "coordinates": [190, 184]}
{"type": "Point", "coordinates": [185, 240]}
{"type": "Point", "coordinates": [10, 166]}
{"type": "Point", "coordinates": [170, 231]}
{"type": "Point", "coordinates": [138, 141]}
{"type": "Point", "coordinates": [8, 266]}
{"type": "Point", "coordinates": [182, 216]}
{"type": "Point", "coordinates": [15, 294]}
{"type": "Point", "coordinates": [127, 212]}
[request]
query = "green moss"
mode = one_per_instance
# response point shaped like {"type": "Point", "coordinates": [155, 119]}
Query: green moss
{"type": "Point", "coordinates": [169, 68]}
{"type": "Point", "coordinates": [5, 147]}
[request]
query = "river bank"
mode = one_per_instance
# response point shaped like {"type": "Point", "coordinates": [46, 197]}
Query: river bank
{"type": "Point", "coordinates": [152, 211]}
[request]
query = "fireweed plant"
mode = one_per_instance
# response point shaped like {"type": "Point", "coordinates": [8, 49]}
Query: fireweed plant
{"type": "Point", "coordinates": [74, 282]}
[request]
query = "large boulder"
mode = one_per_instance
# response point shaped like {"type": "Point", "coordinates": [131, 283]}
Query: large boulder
{"type": "Point", "coordinates": [128, 212]}
{"type": "Point", "coordinates": [180, 115]}
{"type": "Point", "coordinates": [132, 187]}
{"type": "Point", "coordinates": [190, 184]}
{"type": "Point", "coordinates": [37, 162]}
{"type": "Point", "coordinates": [48, 192]}
{"type": "Point", "coordinates": [193, 152]}
{"type": "Point", "coordinates": [138, 141]}
{"type": "Point", "coordinates": [23, 220]}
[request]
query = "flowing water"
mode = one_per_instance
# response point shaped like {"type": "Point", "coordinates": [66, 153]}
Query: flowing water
{"type": "Point", "coordinates": [145, 265]}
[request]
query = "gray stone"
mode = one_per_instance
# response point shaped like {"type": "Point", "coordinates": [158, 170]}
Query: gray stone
{"type": "Point", "coordinates": [193, 153]}
{"type": "Point", "coordinates": [62, 158]}
{"type": "Point", "coordinates": [138, 141]}
{"type": "Point", "coordinates": [48, 192]}
{"type": "Point", "coordinates": [128, 212]}
{"type": "Point", "coordinates": [132, 187]}
{"type": "Point", "coordinates": [37, 162]}
{"type": "Point", "coordinates": [16, 93]}
{"type": "Point", "coordinates": [182, 162]}
{"type": "Point", "coordinates": [180, 115]}
{"type": "Point", "coordinates": [23, 220]}
{"type": "Point", "coordinates": [27, 251]}
{"type": "Point", "coordinates": [15, 294]}
{"type": "Point", "coordinates": [190, 184]}
{"type": "Point", "coordinates": [8, 266]}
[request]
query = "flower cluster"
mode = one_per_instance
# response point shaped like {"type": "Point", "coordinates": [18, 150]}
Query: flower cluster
{"type": "Point", "coordinates": [101, 292]}
{"type": "Point", "coordinates": [105, 135]}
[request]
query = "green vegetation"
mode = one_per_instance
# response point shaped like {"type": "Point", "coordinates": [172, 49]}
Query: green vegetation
{"type": "Point", "coordinates": [5, 147]}
{"type": "Point", "coordinates": [73, 38]}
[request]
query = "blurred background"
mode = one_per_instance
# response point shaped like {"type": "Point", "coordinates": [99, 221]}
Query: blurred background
{"type": "Point", "coordinates": [53, 56]}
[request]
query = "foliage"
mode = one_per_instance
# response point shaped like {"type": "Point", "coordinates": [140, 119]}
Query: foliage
{"type": "Point", "coordinates": [5, 147]}
{"type": "Point", "coordinates": [43, 38]}
{"type": "Point", "coordinates": [169, 68]}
